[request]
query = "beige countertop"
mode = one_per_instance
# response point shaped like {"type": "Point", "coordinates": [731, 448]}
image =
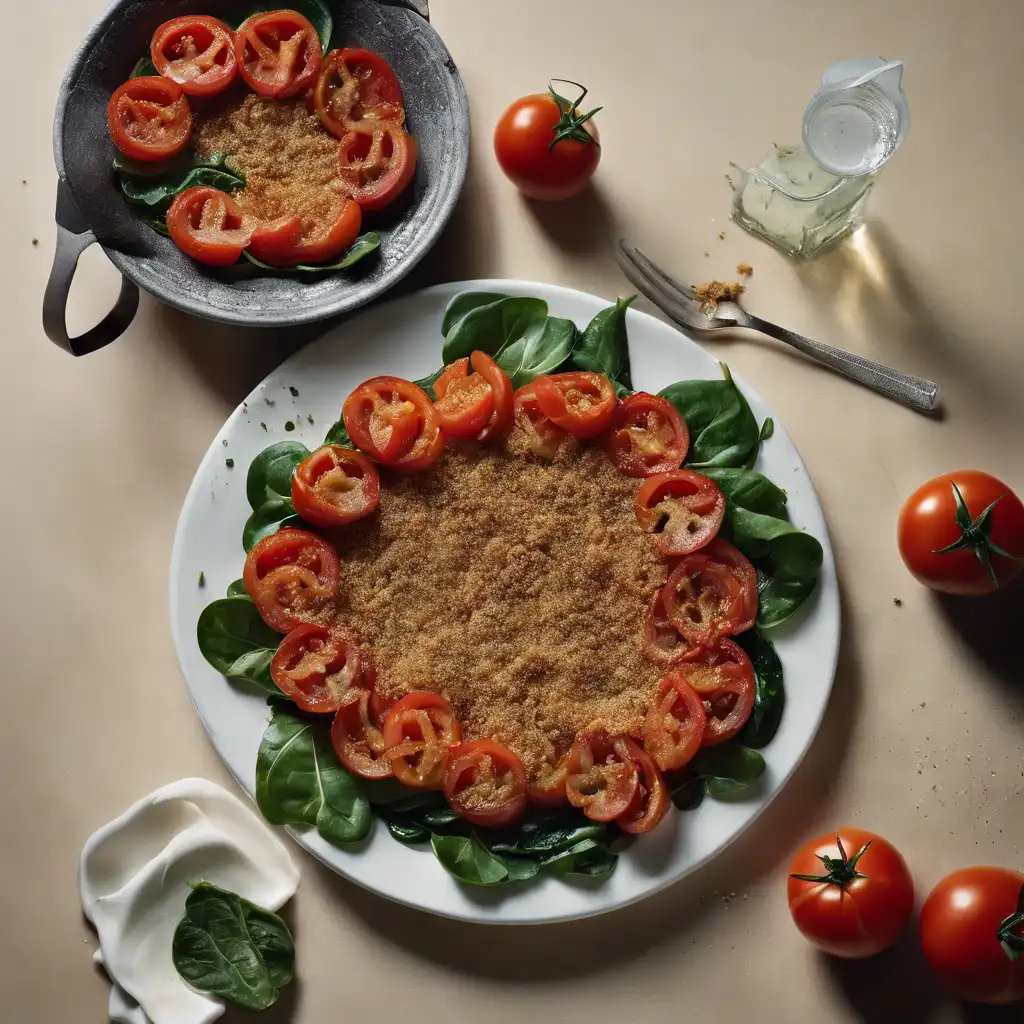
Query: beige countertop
{"type": "Point", "coordinates": [922, 739]}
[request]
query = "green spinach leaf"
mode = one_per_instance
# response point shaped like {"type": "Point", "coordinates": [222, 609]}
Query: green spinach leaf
{"type": "Point", "coordinates": [267, 519]}
{"type": "Point", "coordinates": [770, 701]}
{"type": "Point", "coordinates": [428, 382]}
{"type": "Point", "coordinates": [156, 192]}
{"type": "Point", "coordinates": [270, 473]}
{"type": "Point", "coordinates": [604, 346]}
{"type": "Point", "coordinates": [362, 247]}
{"type": "Point", "coordinates": [237, 642]}
{"type": "Point", "coordinates": [494, 327]}
{"type": "Point", "coordinates": [730, 769]}
{"type": "Point", "coordinates": [787, 560]}
{"type": "Point", "coordinates": [232, 948]}
{"type": "Point", "coordinates": [688, 790]}
{"type": "Point", "coordinates": [536, 353]}
{"type": "Point", "coordinates": [236, 588]}
{"type": "Point", "coordinates": [299, 780]}
{"type": "Point", "coordinates": [745, 488]}
{"type": "Point", "coordinates": [723, 430]}
{"type": "Point", "coordinates": [469, 860]}
{"type": "Point", "coordinates": [144, 68]}
{"type": "Point", "coordinates": [463, 303]}
{"type": "Point", "coordinates": [338, 434]}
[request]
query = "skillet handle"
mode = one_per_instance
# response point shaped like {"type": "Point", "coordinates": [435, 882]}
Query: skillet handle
{"type": "Point", "coordinates": [73, 237]}
{"type": "Point", "coordinates": [420, 7]}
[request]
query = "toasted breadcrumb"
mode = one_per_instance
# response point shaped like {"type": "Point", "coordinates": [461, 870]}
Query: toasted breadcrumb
{"type": "Point", "coordinates": [711, 293]}
{"type": "Point", "coordinates": [744, 270]}
{"type": "Point", "coordinates": [514, 587]}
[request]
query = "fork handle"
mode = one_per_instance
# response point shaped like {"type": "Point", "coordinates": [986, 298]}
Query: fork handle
{"type": "Point", "coordinates": [917, 392]}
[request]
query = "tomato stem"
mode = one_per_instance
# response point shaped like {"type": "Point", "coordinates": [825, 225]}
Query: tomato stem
{"type": "Point", "coordinates": [1011, 931]}
{"type": "Point", "coordinates": [841, 871]}
{"type": "Point", "coordinates": [974, 534]}
{"type": "Point", "coordinates": [570, 126]}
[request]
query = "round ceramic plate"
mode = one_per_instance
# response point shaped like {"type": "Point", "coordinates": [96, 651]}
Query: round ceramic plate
{"type": "Point", "coordinates": [404, 338]}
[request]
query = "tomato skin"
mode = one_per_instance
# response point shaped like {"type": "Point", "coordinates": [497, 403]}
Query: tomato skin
{"type": "Point", "coordinates": [464, 401]}
{"type": "Point", "coordinates": [197, 53]}
{"type": "Point", "coordinates": [501, 388]}
{"type": "Point", "coordinates": [395, 423]}
{"type": "Point", "coordinates": [959, 924]}
{"type": "Point", "coordinates": [262, 66]}
{"type": "Point", "coordinates": [723, 678]}
{"type": "Point", "coordinates": [357, 738]}
{"type": "Point", "coordinates": [543, 437]}
{"type": "Point", "coordinates": [580, 402]}
{"type": "Point", "coordinates": [521, 140]}
{"type": "Point", "coordinates": [647, 436]}
{"type": "Point", "coordinates": [323, 491]}
{"type": "Point", "coordinates": [208, 225]}
{"type": "Point", "coordinates": [549, 789]}
{"type": "Point", "coordinates": [601, 780]}
{"type": "Point", "coordinates": [143, 138]}
{"type": "Point", "coordinates": [316, 668]}
{"type": "Point", "coordinates": [663, 643]}
{"type": "Point", "coordinates": [862, 917]}
{"type": "Point", "coordinates": [675, 724]}
{"type": "Point", "coordinates": [927, 522]}
{"type": "Point", "coordinates": [466, 763]}
{"type": "Point", "coordinates": [688, 508]}
{"type": "Point", "coordinates": [369, 91]}
{"type": "Point", "coordinates": [284, 242]}
{"type": "Point", "coordinates": [293, 565]}
{"type": "Point", "coordinates": [652, 796]}
{"type": "Point", "coordinates": [419, 731]}
{"type": "Point", "coordinates": [376, 163]}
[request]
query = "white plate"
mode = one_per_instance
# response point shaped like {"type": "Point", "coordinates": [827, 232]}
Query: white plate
{"type": "Point", "coordinates": [404, 338]}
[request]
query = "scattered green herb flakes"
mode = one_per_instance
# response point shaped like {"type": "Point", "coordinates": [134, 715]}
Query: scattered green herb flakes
{"type": "Point", "coordinates": [230, 463]}
{"type": "Point", "coordinates": [289, 425]}
{"type": "Point", "coordinates": [294, 391]}
{"type": "Point", "coordinates": [263, 425]}
{"type": "Point", "coordinates": [202, 578]}
{"type": "Point", "coordinates": [309, 419]}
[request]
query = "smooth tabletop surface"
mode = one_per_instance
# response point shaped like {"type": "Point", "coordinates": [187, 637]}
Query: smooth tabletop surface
{"type": "Point", "coordinates": [922, 737]}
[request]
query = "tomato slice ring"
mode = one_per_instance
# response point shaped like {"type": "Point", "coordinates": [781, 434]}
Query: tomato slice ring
{"type": "Point", "coordinates": [287, 572]}
{"type": "Point", "coordinates": [547, 788]}
{"type": "Point", "coordinates": [651, 802]}
{"type": "Point", "coordinates": [675, 724]}
{"type": "Point", "coordinates": [376, 163]}
{"type": "Point", "coordinates": [464, 402]}
{"type": "Point", "coordinates": [741, 567]}
{"type": "Point", "coordinates": [663, 643]}
{"type": "Point", "coordinates": [598, 779]}
{"type": "Point", "coordinates": [703, 599]}
{"type": "Point", "coordinates": [287, 242]}
{"type": "Point", "coordinates": [316, 668]}
{"type": "Point", "coordinates": [208, 225]}
{"type": "Point", "coordinates": [542, 436]}
{"type": "Point", "coordinates": [278, 53]}
{"type": "Point", "coordinates": [357, 738]}
{"type": "Point", "coordinates": [683, 507]}
{"type": "Point", "coordinates": [356, 86]}
{"type": "Point", "coordinates": [418, 733]}
{"type": "Point", "coordinates": [383, 416]}
{"type": "Point", "coordinates": [723, 678]}
{"type": "Point", "coordinates": [485, 783]}
{"type": "Point", "coordinates": [580, 402]}
{"type": "Point", "coordinates": [149, 118]}
{"type": "Point", "coordinates": [196, 52]}
{"type": "Point", "coordinates": [335, 486]}
{"type": "Point", "coordinates": [647, 436]}
{"type": "Point", "coordinates": [501, 388]}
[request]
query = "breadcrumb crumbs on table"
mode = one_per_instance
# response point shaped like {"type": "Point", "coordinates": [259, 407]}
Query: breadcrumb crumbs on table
{"type": "Point", "coordinates": [289, 160]}
{"type": "Point", "coordinates": [744, 270]}
{"type": "Point", "coordinates": [514, 587]}
{"type": "Point", "coordinates": [711, 293]}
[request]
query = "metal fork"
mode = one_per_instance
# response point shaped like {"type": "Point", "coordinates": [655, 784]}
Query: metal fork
{"type": "Point", "coordinates": [676, 300]}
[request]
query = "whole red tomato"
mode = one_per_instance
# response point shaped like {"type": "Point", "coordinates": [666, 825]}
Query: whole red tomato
{"type": "Point", "coordinates": [962, 533]}
{"type": "Point", "coordinates": [972, 934]}
{"type": "Point", "coordinates": [546, 147]}
{"type": "Point", "coordinates": [850, 893]}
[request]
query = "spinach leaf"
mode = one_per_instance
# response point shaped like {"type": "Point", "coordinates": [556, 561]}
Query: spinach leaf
{"type": "Point", "coordinates": [267, 519]}
{"type": "Point", "coordinates": [268, 486]}
{"type": "Point", "coordinates": [428, 382]}
{"type": "Point", "coordinates": [300, 782]}
{"type": "Point", "coordinates": [236, 588]}
{"type": "Point", "coordinates": [723, 430]}
{"type": "Point", "coordinates": [157, 221]}
{"type": "Point", "coordinates": [604, 347]}
{"type": "Point", "coordinates": [688, 790]}
{"type": "Point", "coordinates": [745, 488]}
{"type": "Point", "coordinates": [414, 818]}
{"type": "Point", "coordinates": [360, 248]}
{"type": "Point", "coordinates": [463, 303]}
{"type": "Point", "coordinates": [338, 434]}
{"type": "Point", "coordinates": [534, 354]}
{"type": "Point", "coordinates": [408, 832]}
{"type": "Point", "coordinates": [314, 10]}
{"type": "Point", "coordinates": [730, 769]}
{"type": "Point", "coordinates": [494, 327]}
{"type": "Point", "coordinates": [469, 860]}
{"type": "Point", "coordinates": [787, 560]}
{"type": "Point", "coordinates": [770, 701]}
{"type": "Point", "coordinates": [767, 429]}
{"type": "Point", "coordinates": [232, 948]}
{"type": "Point", "coordinates": [548, 834]}
{"type": "Point", "coordinates": [144, 68]}
{"type": "Point", "coordinates": [237, 642]}
{"type": "Point", "coordinates": [156, 192]}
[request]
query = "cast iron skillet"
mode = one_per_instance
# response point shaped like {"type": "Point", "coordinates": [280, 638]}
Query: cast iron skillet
{"type": "Point", "coordinates": [90, 207]}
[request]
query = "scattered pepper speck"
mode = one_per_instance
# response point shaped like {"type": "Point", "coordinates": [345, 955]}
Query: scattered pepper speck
{"type": "Point", "coordinates": [230, 463]}
{"type": "Point", "coordinates": [294, 391]}
{"type": "Point", "coordinates": [289, 425]}
{"type": "Point", "coordinates": [263, 425]}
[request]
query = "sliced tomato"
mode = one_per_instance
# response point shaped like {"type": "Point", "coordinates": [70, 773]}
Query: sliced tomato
{"type": "Point", "coordinates": [278, 53]}
{"type": "Point", "coordinates": [287, 242]}
{"type": "Point", "coordinates": [376, 163]}
{"type": "Point", "coordinates": [723, 678]}
{"type": "Point", "coordinates": [356, 86]}
{"type": "Point", "coordinates": [548, 787]}
{"type": "Point", "coordinates": [149, 118]}
{"type": "Point", "coordinates": [384, 415]}
{"type": "Point", "coordinates": [196, 52]}
{"type": "Point", "coordinates": [502, 418]}
{"type": "Point", "coordinates": [647, 436]}
{"type": "Point", "coordinates": [664, 644]}
{"type": "Point", "coordinates": [357, 737]}
{"type": "Point", "coordinates": [542, 436]}
{"type": "Point", "coordinates": [675, 724]}
{"type": "Point", "coordinates": [464, 402]}
{"type": "Point", "coordinates": [741, 567]}
{"type": "Point", "coordinates": [599, 780]}
{"type": "Point", "coordinates": [316, 668]}
{"type": "Point", "coordinates": [208, 225]}
{"type": "Point", "coordinates": [419, 732]}
{"type": "Point", "coordinates": [335, 486]}
{"type": "Point", "coordinates": [287, 572]}
{"type": "Point", "coordinates": [651, 802]}
{"type": "Point", "coordinates": [580, 402]}
{"type": "Point", "coordinates": [684, 508]}
{"type": "Point", "coordinates": [485, 783]}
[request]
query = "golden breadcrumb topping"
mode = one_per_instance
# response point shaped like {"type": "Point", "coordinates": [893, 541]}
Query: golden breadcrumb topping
{"type": "Point", "coordinates": [711, 293]}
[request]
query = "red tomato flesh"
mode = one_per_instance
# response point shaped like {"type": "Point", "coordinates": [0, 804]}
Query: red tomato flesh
{"type": "Point", "coordinates": [599, 779]}
{"type": "Point", "coordinates": [356, 86]}
{"type": "Point", "coordinates": [335, 486]}
{"type": "Point", "coordinates": [208, 225]}
{"type": "Point", "coordinates": [647, 436]}
{"type": "Point", "coordinates": [278, 53]}
{"type": "Point", "coordinates": [376, 163]}
{"type": "Point", "coordinates": [580, 402]}
{"type": "Point", "coordinates": [419, 732]}
{"type": "Point", "coordinates": [316, 668]}
{"type": "Point", "coordinates": [149, 118]}
{"type": "Point", "coordinates": [675, 724]}
{"type": "Point", "coordinates": [684, 508]}
{"type": "Point", "coordinates": [485, 783]}
{"type": "Point", "coordinates": [197, 53]}
{"type": "Point", "coordinates": [357, 738]}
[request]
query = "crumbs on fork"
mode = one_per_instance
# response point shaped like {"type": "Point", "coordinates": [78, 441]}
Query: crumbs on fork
{"type": "Point", "coordinates": [711, 293]}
